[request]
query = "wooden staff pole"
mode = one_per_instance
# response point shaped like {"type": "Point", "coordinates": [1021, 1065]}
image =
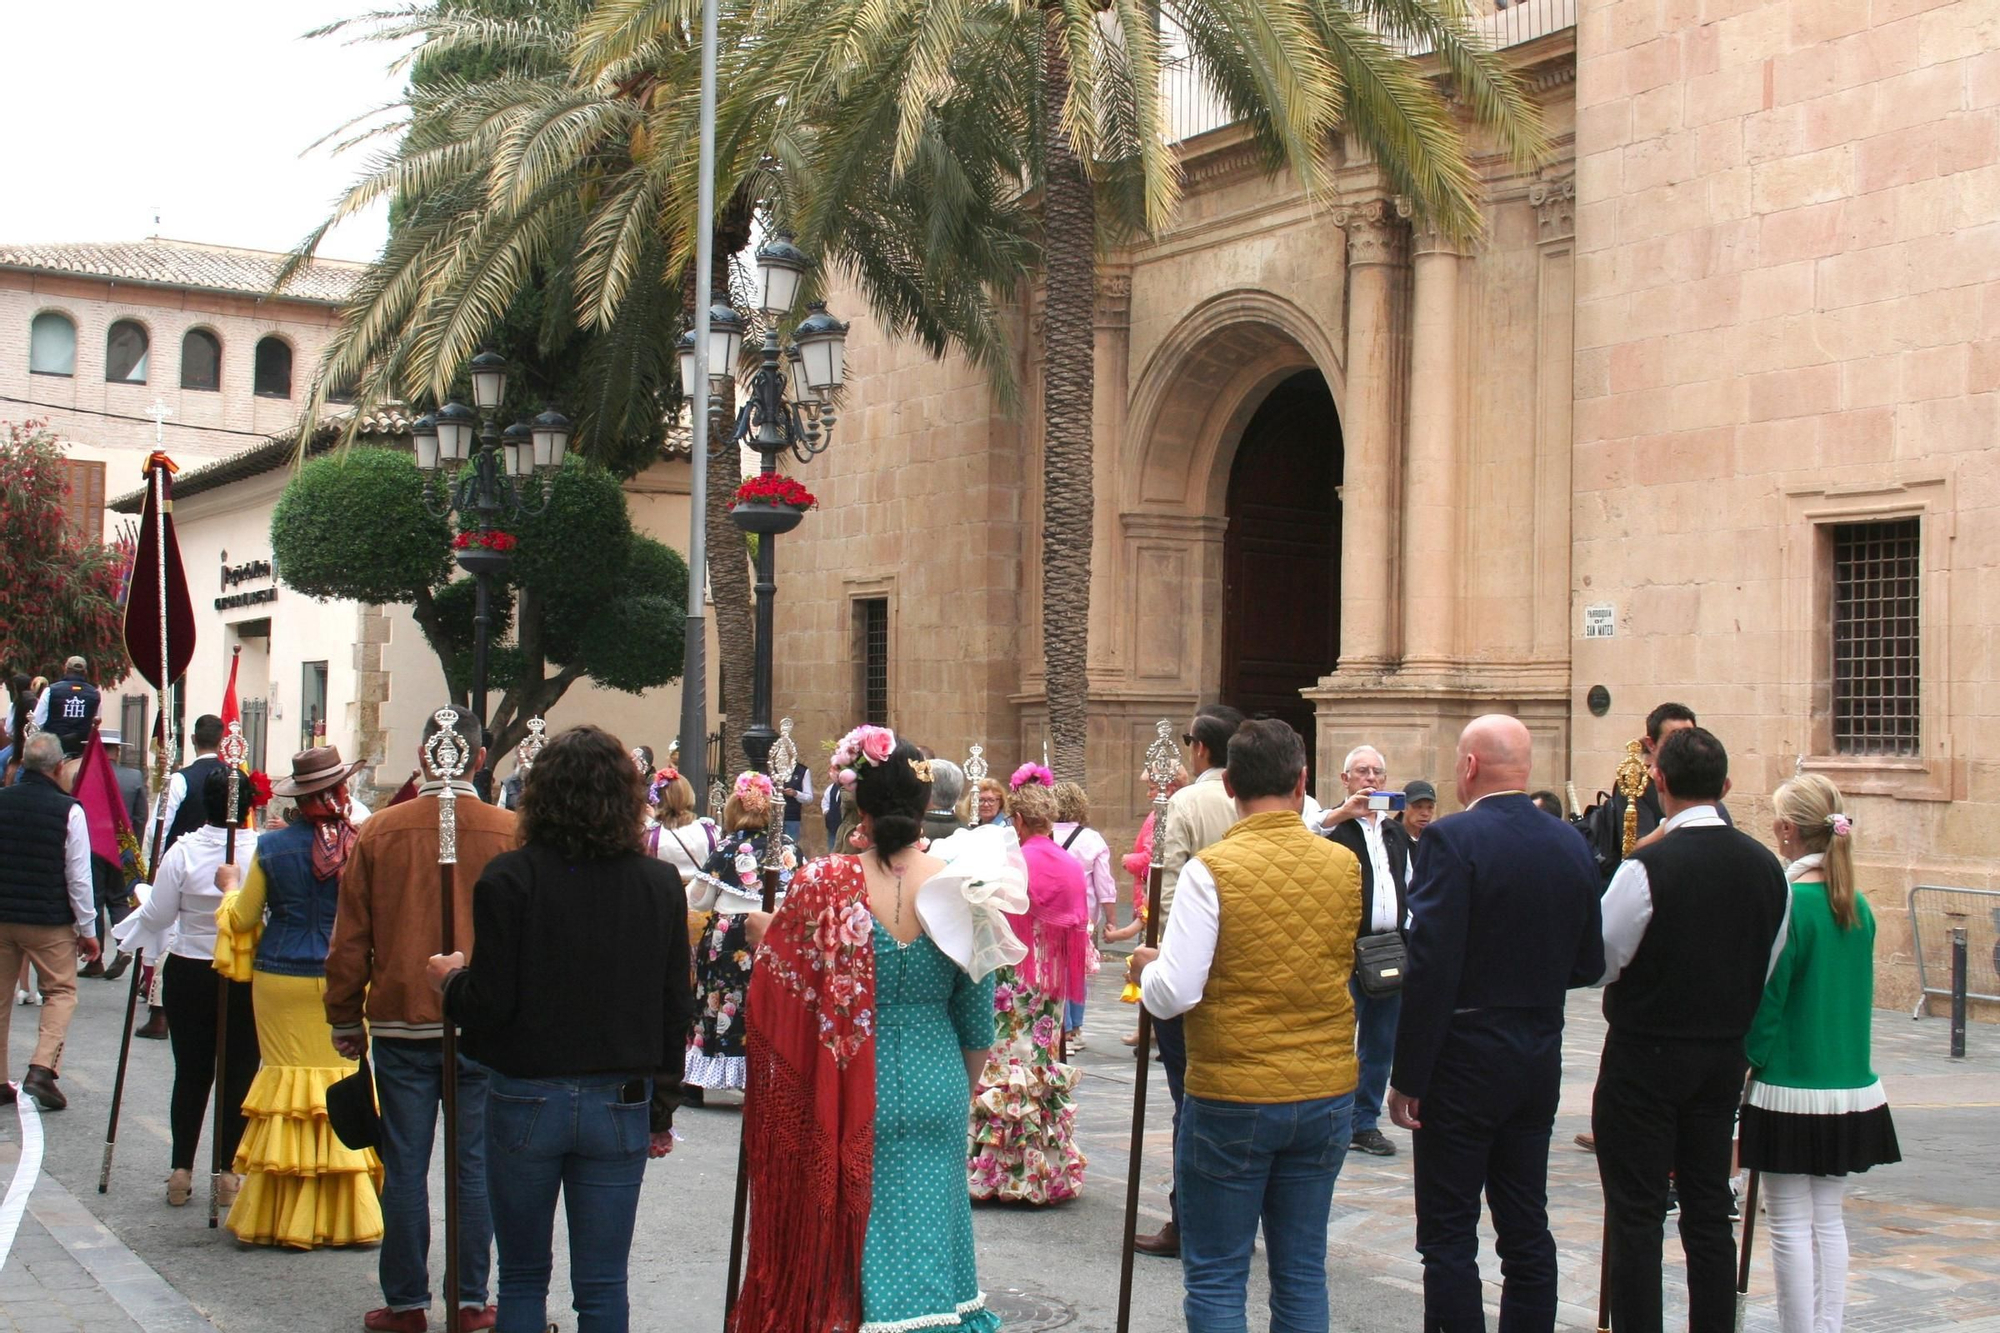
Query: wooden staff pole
{"type": "Point", "coordinates": [1604, 1281]}
{"type": "Point", "coordinates": [740, 1218]}
{"type": "Point", "coordinates": [233, 750]}
{"type": "Point", "coordinates": [1161, 761]}
{"type": "Point", "coordinates": [1749, 1232]}
{"type": "Point", "coordinates": [447, 756]}
{"type": "Point", "coordinates": [118, 1083]}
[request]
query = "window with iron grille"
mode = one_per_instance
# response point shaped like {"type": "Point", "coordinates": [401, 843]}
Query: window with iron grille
{"type": "Point", "coordinates": [1876, 602]}
{"type": "Point", "coordinates": [872, 622]}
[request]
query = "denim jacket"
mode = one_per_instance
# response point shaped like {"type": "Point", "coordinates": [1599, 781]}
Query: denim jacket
{"type": "Point", "coordinates": [299, 909]}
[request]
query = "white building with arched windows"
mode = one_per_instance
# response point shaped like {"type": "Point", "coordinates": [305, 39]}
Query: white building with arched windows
{"type": "Point", "coordinates": [94, 336]}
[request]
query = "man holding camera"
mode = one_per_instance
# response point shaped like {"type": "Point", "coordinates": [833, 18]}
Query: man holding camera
{"type": "Point", "coordinates": [1364, 825]}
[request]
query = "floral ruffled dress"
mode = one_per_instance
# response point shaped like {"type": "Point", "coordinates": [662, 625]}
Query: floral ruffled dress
{"type": "Point", "coordinates": [722, 953]}
{"type": "Point", "coordinates": [1024, 1115]}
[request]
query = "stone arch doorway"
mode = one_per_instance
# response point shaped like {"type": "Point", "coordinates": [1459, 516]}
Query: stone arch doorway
{"type": "Point", "coordinates": [1281, 553]}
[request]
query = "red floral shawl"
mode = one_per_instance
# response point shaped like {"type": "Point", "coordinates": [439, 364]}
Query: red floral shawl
{"type": "Point", "coordinates": [809, 1113]}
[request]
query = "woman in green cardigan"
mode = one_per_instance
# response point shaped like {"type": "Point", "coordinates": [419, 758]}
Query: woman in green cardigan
{"type": "Point", "coordinates": [1815, 1110]}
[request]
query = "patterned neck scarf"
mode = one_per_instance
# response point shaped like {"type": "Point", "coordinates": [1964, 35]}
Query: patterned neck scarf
{"type": "Point", "coordinates": [333, 836]}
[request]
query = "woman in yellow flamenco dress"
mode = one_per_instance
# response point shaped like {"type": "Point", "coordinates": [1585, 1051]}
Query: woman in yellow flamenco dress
{"type": "Point", "coordinates": [301, 1186]}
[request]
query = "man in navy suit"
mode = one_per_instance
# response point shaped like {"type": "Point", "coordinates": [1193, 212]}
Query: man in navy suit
{"type": "Point", "coordinates": [1504, 919]}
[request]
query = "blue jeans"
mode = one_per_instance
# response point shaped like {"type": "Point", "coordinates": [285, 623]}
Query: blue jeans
{"type": "Point", "coordinates": [576, 1136]}
{"type": "Point", "coordinates": [409, 1085]}
{"type": "Point", "coordinates": [792, 827]}
{"type": "Point", "coordinates": [1072, 1015]}
{"type": "Point", "coordinates": [1240, 1163]}
{"type": "Point", "coordinates": [1375, 1047]}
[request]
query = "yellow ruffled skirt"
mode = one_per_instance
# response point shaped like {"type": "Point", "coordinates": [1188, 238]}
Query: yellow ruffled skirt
{"type": "Point", "coordinates": [302, 1187]}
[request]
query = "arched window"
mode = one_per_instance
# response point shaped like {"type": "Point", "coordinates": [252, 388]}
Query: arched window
{"type": "Point", "coordinates": [125, 353]}
{"type": "Point", "coordinates": [201, 360]}
{"type": "Point", "coordinates": [52, 345]}
{"type": "Point", "coordinates": [273, 377]}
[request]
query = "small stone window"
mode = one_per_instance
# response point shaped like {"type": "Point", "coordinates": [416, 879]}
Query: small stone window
{"type": "Point", "coordinates": [871, 633]}
{"type": "Point", "coordinates": [1876, 611]}
{"type": "Point", "coordinates": [201, 360]}
{"type": "Point", "coordinates": [125, 350]}
{"type": "Point", "coordinates": [51, 345]}
{"type": "Point", "coordinates": [273, 375]}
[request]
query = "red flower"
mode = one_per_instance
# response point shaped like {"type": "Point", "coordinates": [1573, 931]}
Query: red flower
{"type": "Point", "coordinates": [486, 541]}
{"type": "Point", "coordinates": [775, 489]}
{"type": "Point", "coordinates": [260, 789]}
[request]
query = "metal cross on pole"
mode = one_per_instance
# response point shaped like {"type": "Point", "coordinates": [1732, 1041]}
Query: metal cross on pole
{"type": "Point", "coordinates": [447, 758]}
{"type": "Point", "coordinates": [1161, 760]}
{"type": "Point", "coordinates": [232, 751]}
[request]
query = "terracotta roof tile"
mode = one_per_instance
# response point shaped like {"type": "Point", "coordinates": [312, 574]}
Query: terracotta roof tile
{"type": "Point", "coordinates": [188, 264]}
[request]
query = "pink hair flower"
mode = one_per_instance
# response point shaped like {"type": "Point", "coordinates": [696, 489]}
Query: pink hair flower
{"type": "Point", "coordinates": [1841, 824]}
{"type": "Point", "coordinates": [1028, 773]}
{"type": "Point", "coordinates": [878, 743]}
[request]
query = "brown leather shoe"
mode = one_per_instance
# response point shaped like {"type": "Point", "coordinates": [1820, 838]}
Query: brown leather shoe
{"type": "Point", "coordinates": [41, 1085]}
{"type": "Point", "coordinates": [155, 1026]}
{"type": "Point", "coordinates": [1587, 1142]}
{"type": "Point", "coordinates": [1166, 1242]}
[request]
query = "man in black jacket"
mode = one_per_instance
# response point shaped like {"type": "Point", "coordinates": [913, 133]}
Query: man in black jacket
{"type": "Point", "coordinates": [68, 707]}
{"type": "Point", "coordinates": [1503, 920]}
{"type": "Point", "coordinates": [1693, 925]}
{"type": "Point", "coordinates": [48, 910]}
{"type": "Point", "coordinates": [1384, 850]}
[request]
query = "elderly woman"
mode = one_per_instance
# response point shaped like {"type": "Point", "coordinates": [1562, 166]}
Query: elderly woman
{"type": "Point", "coordinates": [177, 922]}
{"type": "Point", "coordinates": [302, 1187]}
{"type": "Point", "coordinates": [989, 803]}
{"type": "Point", "coordinates": [577, 1000]}
{"type": "Point", "coordinates": [1023, 1117]}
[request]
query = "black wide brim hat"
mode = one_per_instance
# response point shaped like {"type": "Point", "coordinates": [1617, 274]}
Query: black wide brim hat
{"type": "Point", "coordinates": [351, 1111]}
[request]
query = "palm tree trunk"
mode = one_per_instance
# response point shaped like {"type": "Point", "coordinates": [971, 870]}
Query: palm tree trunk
{"type": "Point", "coordinates": [1069, 226]}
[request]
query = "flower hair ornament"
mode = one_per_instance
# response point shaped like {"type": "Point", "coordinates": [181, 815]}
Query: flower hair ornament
{"type": "Point", "coordinates": [754, 790]}
{"type": "Point", "coordinates": [1028, 773]}
{"type": "Point", "coordinates": [862, 747]}
{"type": "Point", "coordinates": [1841, 824]}
{"type": "Point", "coordinates": [663, 779]}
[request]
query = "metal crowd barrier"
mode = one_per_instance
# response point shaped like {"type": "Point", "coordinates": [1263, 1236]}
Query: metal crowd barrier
{"type": "Point", "coordinates": [1956, 934]}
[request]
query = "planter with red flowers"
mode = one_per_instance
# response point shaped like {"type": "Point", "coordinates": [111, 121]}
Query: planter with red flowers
{"type": "Point", "coordinates": [770, 503]}
{"type": "Point", "coordinates": [484, 552]}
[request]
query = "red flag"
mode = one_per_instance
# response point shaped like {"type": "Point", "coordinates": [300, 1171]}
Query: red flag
{"type": "Point", "coordinates": [158, 611]}
{"type": "Point", "coordinates": [103, 804]}
{"type": "Point", "coordinates": [230, 712]}
{"type": "Point", "coordinates": [406, 792]}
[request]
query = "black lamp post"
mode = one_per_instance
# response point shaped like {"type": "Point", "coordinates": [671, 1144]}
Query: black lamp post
{"type": "Point", "coordinates": [486, 485]}
{"type": "Point", "coordinates": [774, 424]}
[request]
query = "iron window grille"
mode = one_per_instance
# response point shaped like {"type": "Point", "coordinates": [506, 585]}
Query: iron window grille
{"type": "Point", "coordinates": [1876, 605]}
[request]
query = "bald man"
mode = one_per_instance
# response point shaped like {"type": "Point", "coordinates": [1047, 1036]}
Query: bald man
{"type": "Point", "coordinates": [1504, 919]}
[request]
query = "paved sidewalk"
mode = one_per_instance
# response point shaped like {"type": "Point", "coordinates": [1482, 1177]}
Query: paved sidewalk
{"type": "Point", "coordinates": [1925, 1234]}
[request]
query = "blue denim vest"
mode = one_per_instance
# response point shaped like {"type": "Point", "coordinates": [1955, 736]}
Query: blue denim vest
{"type": "Point", "coordinates": [298, 922]}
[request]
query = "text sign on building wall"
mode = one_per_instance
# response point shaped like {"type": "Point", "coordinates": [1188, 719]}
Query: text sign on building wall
{"type": "Point", "coordinates": [250, 571]}
{"type": "Point", "coordinates": [1600, 621]}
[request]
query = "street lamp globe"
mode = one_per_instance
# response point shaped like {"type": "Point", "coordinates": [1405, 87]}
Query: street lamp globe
{"type": "Point", "coordinates": [517, 447]}
{"type": "Point", "coordinates": [795, 368]}
{"type": "Point", "coordinates": [424, 434]}
{"type": "Point", "coordinates": [551, 431]}
{"type": "Point", "coordinates": [690, 364]}
{"type": "Point", "coordinates": [781, 267]}
{"type": "Point", "coordinates": [489, 379]}
{"type": "Point", "coordinates": [725, 340]}
{"type": "Point", "coordinates": [455, 426]}
{"type": "Point", "coordinates": [822, 341]}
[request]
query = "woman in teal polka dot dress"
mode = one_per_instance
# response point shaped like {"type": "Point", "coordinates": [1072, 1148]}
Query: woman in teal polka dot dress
{"type": "Point", "coordinates": [871, 1014]}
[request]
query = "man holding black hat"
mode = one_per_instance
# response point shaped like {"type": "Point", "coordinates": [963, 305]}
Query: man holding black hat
{"type": "Point", "coordinates": [387, 927]}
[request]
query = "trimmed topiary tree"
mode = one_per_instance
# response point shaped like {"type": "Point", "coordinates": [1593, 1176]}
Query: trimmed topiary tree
{"type": "Point", "coordinates": [583, 596]}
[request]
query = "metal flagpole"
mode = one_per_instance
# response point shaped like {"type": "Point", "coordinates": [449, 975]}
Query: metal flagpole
{"type": "Point", "coordinates": [1161, 760]}
{"type": "Point", "coordinates": [694, 653]}
{"type": "Point", "coordinates": [782, 758]}
{"type": "Point", "coordinates": [233, 750]}
{"type": "Point", "coordinates": [447, 758]}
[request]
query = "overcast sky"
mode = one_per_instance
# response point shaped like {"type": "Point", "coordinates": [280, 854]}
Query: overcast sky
{"type": "Point", "coordinates": [198, 111]}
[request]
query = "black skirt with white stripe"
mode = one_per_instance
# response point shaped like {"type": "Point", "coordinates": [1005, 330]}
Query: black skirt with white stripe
{"type": "Point", "coordinates": [1817, 1131]}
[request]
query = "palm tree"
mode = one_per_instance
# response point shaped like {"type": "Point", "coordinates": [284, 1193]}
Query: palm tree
{"type": "Point", "coordinates": [566, 163]}
{"type": "Point", "coordinates": [1297, 72]}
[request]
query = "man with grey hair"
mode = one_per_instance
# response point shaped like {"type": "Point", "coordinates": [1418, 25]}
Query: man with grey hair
{"type": "Point", "coordinates": [1385, 853]}
{"type": "Point", "coordinates": [947, 785]}
{"type": "Point", "coordinates": [48, 910]}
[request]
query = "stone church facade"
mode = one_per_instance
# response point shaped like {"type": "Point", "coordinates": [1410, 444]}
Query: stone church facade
{"type": "Point", "coordinates": [1715, 382]}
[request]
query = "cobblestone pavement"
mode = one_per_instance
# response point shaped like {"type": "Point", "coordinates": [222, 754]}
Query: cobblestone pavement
{"type": "Point", "coordinates": [1926, 1233]}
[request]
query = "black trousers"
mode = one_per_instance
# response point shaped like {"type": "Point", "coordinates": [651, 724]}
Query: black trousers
{"type": "Point", "coordinates": [1172, 1037]}
{"type": "Point", "coordinates": [188, 993]}
{"type": "Point", "coordinates": [1486, 1119]}
{"type": "Point", "coordinates": [1668, 1107]}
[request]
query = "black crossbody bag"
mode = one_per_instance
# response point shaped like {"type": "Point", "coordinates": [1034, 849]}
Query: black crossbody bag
{"type": "Point", "coordinates": [1379, 961]}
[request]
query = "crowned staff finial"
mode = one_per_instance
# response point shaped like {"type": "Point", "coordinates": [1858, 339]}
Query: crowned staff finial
{"type": "Point", "coordinates": [784, 755]}
{"type": "Point", "coordinates": [530, 748]}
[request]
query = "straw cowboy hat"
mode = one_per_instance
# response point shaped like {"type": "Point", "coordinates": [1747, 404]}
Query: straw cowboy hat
{"type": "Point", "coordinates": [315, 770]}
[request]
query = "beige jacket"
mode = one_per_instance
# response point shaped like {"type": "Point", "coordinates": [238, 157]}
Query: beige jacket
{"type": "Point", "coordinates": [1198, 815]}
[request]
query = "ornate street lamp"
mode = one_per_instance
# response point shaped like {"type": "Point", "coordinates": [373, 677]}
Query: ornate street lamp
{"type": "Point", "coordinates": [788, 408]}
{"type": "Point", "coordinates": [486, 485]}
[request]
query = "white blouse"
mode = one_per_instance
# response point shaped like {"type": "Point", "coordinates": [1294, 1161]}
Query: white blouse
{"type": "Point", "coordinates": [687, 850]}
{"type": "Point", "coordinates": [178, 915]}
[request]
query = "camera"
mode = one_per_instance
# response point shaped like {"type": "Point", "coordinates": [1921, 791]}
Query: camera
{"type": "Point", "coordinates": [1391, 801]}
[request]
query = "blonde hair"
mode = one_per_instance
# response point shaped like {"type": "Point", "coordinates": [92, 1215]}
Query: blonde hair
{"type": "Point", "coordinates": [1072, 803]}
{"type": "Point", "coordinates": [1034, 805]}
{"type": "Point", "coordinates": [739, 814]}
{"type": "Point", "coordinates": [1808, 803]}
{"type": "Point", "coordinates": [994, 785]}
{"type": "Point", "coordinates": [676, 803]}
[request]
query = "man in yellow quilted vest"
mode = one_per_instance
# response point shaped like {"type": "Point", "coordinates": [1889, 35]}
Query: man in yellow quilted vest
{"type": "Point", "coordinates": [1256, 956]}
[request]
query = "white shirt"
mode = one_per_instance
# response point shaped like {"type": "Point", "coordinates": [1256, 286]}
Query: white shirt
{"type": "Point", "coordinates": [687, 850]}
{"type": "Point", "coordinates": [805, 787]}
{"type": "Point", "coordinates": [1628, 902]}
{"type": "Point", "coordinates": [1174, 981]}
{"type": "Point", "coordinates": [178, 915]}
{"type": "Point", "coordinates": [1383, 916]}
{"type": "Point", "coordinates": [1094, 855]}
{"type": "Point", "coordinates": [76, 873]}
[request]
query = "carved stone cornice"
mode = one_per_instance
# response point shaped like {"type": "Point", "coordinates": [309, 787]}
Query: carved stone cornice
{"type": "Point", "coordinates": [1376, 233]}
{"type": "Point", "coordinates": [1555, 208]}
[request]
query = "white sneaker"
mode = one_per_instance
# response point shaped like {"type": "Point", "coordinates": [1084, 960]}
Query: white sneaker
{"type": "Point", "coordinates": [1076, 1042]}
